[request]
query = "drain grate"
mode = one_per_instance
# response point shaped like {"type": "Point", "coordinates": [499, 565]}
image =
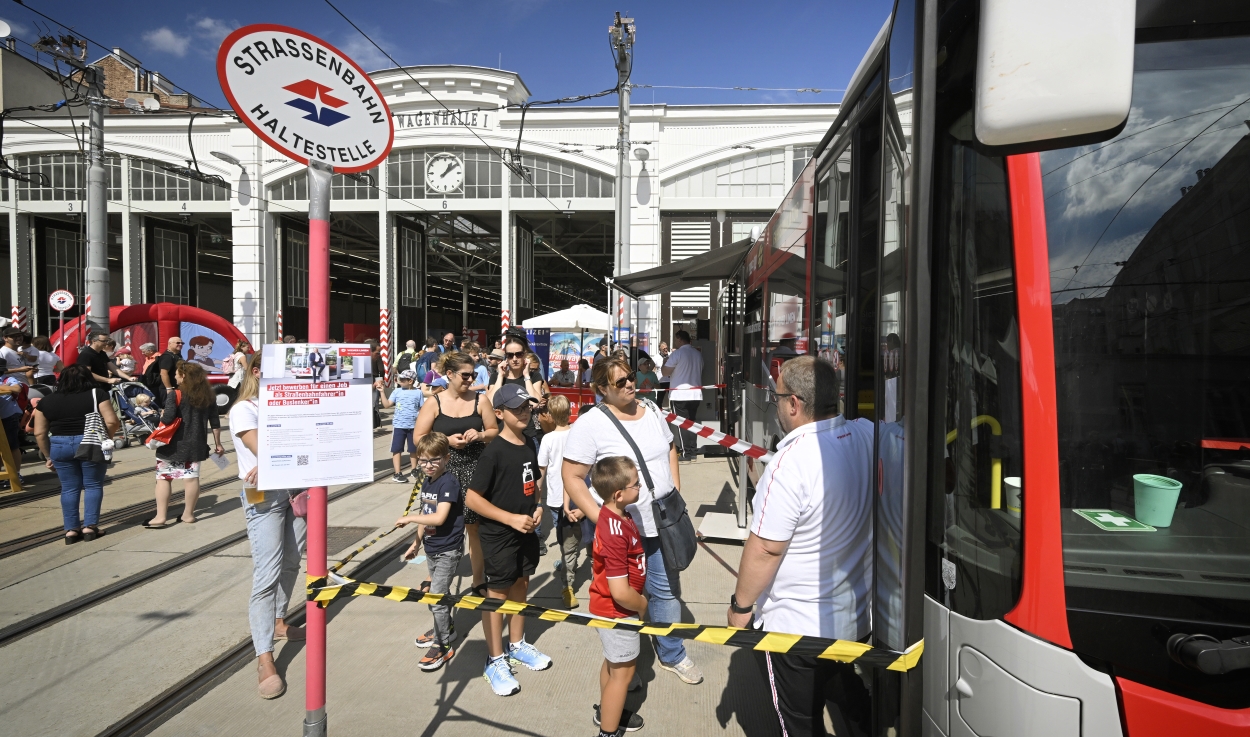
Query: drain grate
{"type": "Point", "coordinates": [339, 539]}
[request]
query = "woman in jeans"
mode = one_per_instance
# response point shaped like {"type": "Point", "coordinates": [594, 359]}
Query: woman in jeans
{"type": "Point", "coordinates": [595, 437]}
{"type": "Point", "coordinates": [181, 458]}
{"type": "Point", "coordinates": [276, 536]}
{"type": "Point", "coordinates": [62, 415]}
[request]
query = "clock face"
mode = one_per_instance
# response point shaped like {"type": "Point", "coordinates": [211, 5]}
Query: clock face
{"type": "Point", "coordinates": [444, 173]}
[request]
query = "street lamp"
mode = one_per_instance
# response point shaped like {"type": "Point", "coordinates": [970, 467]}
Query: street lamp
{"type": "Point", "coordinates": [227, 158]}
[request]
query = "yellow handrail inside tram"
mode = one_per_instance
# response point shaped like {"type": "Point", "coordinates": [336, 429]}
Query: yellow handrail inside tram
{"type": "Point", "coordinates": [996, 464]}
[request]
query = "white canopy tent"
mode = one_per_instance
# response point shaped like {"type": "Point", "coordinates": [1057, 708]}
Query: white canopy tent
{"type": "Point", "coordinates": [577, 317]}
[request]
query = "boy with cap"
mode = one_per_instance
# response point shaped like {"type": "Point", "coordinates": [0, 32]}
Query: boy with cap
{"type": "Point", "coordinates": [407, 401]}
{"type": "Point", "coordinates": [504, 493]}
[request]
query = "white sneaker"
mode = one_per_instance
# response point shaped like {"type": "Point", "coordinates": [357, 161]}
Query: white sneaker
{"type": "Point", "coordinates": [686, 670]}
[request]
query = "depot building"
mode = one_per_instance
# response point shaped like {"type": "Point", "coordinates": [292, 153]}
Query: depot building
{"type": "Point", "coordinates": [443, 236]}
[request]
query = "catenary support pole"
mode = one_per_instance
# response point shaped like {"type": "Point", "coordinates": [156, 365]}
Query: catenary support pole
{"type": "Point", "coordinates": [97, 286]}
{"type": "Point", "coordinates": [319, 176]}
{"type": "Point", "coordinates": [622, 35]}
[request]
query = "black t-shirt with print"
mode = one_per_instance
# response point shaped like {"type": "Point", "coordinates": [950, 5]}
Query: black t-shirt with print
{"type": "Point", "coordinates": [506, 476]}
{"type": "Point", "coordinates": [450, 534]}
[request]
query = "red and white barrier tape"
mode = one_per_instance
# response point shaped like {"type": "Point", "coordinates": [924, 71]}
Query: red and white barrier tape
{"type": "Point", "coordinates": [720, 438]}
{"type": "Point", "coordinates": [684, 388]}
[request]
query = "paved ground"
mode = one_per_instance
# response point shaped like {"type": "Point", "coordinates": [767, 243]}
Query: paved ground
{"type": "Point", "coordinates": [82, 674]}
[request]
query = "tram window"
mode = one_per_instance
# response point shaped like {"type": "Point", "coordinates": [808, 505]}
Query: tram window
{"type": "Point", "coordinates": [863, 357]}
{"type": "Point", "coordinates": [1149, 269]}
{"type": "Point", "coordinates": [832, 232]}
{"type": "Point", "coordinates": [976, 427]}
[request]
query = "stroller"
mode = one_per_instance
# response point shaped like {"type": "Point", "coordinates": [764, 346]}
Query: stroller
{"type": "Point", "coordinates": [135, 427]}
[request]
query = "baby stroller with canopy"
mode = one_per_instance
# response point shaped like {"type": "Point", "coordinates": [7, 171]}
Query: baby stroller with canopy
{"type": "Point", "coordinates": [135, 425]}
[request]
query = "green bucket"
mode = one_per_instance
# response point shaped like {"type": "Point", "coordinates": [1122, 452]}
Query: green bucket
{"type": "Point", "coordinates": [1154, 499]}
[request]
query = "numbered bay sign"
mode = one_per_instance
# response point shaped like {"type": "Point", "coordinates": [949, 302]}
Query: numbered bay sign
{"type": "Point", "coordinates": [305, 98]}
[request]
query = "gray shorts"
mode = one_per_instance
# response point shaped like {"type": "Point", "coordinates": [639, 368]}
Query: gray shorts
{"type": "Point", "coordinates": [619, 646]}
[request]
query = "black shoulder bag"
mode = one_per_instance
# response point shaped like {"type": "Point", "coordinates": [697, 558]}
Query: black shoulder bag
{"type": "Point", "coordinates": [672, 522]}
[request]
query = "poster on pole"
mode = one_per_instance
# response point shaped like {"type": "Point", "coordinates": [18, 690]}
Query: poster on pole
{"type": "Point", "coordinates": [316, 415]}
{"type": "Point", "coordinates": [540, 344]}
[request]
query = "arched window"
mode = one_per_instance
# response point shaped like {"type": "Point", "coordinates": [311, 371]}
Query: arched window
{"type": "Point", "coordinates": [150, 182]}
{"type": "Point", "coordinates": [559, 179]}
{"type": "Point", "coordinates": [342, 187]}
{"type": "Point", "coordinates": [463, 173]}
{"type": "Point", "coordinates": [66, 177]}
{"type": "Point", "coordinates": [753, 174]}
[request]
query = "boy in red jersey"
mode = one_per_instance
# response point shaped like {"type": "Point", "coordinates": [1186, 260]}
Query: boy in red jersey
{"type": "Point", "coordinates": [620, 571]}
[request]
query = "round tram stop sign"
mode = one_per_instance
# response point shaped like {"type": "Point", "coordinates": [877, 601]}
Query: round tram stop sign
{"type": "Point", "coordinates": [61, 300]}
{"type": "Point", "coordinates": [305, 98]}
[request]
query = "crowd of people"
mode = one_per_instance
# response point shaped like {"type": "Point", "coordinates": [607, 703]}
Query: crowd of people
{"type": "Point", "coordinates": [496, 457]}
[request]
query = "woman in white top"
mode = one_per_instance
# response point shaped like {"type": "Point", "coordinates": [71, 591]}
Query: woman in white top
{"type": "Point", "coordinates": [276, 535]}
{"type": "Point", "coordinates": [594, 437]}
{"type": "Point", "coordinates": [48, 364]}
{"type": "Point", "coordinates": [240, 364]}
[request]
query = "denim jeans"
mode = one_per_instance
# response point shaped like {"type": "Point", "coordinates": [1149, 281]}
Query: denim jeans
{"type": "Point", "coordinates": [663, 606]}
{"type": "Point", "coordinates": [443, 567]}
{"type": "Point", "coordinates": [77, 476]}
{"type": "Point", "coordinates": [277, 537]}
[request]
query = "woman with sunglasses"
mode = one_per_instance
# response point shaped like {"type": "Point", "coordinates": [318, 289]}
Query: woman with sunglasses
{"type": "Point", "coordinates": [516, 370]}
{"type": "Point", "coordinates": [469, 425]}
{"type": "Point", "coordinates": [594, 437]}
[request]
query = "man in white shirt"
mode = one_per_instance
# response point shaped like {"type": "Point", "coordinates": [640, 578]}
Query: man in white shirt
{"type": "Point", "coordinates": [14, 363]}
{"type": "Point", "coordinates": [807, 566]}
{"type": "Point", "coordinates": [684, 368]}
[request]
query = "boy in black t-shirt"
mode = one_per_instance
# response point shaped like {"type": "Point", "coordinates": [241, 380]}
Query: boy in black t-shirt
{"type": "Point", "coordinates": [504, 493]}
{"type": "Point", "coordinates": [442, 532]}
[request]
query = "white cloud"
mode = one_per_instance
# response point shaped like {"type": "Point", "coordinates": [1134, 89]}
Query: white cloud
{"type": "Point", "coordinates": [164, 40]}
{"type": "Point", "coordinates": [212, 29]}
{"type": "Point", "coordinates": [366, 54]}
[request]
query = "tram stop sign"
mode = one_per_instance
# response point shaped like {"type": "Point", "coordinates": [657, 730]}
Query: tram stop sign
{"type": "Point", "coordinates": [305, 98]}
{"type": "Point", "coordinates": [61, 300]}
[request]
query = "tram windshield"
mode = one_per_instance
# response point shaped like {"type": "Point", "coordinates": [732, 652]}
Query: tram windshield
{"type": "Point", "coordinates": [1149, 238]}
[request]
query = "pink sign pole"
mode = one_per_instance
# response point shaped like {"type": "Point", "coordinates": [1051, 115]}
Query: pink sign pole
{"type": "Point", "coordinates": [319, 176]}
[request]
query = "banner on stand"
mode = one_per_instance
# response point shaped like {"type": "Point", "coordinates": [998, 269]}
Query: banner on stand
{"type": "Point", "coordinates": [316, 420]}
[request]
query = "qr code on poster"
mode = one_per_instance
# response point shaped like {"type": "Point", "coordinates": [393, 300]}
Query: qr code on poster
{"type": "Point", "coordinates": [301, 460]}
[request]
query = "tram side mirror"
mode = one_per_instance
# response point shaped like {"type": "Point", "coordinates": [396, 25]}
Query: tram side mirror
{"type": "Point", "coordinates": [1061, 69]}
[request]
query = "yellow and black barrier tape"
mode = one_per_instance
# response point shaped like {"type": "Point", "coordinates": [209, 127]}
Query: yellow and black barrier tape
{"type": "Point", "coordinates": [846, 651]}
{"type": "Point", "coordinates": [412, 498]}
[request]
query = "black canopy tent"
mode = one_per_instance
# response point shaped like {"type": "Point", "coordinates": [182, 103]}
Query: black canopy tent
{"type": "Point", "coordinates": [718, 264]}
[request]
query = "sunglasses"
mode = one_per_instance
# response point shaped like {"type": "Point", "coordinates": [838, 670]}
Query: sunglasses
{"type": "Point", "coordinates": [466, 376]}
{"type": "Point", "coordinates": [518, 354]}
{"type": "Point", "coordinates": [631, 377]}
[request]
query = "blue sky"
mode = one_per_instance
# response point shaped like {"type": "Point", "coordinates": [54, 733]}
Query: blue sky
{"type": "Point", "coordinates": [559, 47]}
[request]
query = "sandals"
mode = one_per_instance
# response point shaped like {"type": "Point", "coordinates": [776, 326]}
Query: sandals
{"type": "Point", "coordinates": [91, 532]}
{"type": "Point", "coordinates": [164, 525]}
{"type": "Point", "coordinates": [480, 590]}
{"type": "Point", "coordinates": [424, 588]}
{"type": "Point", "coordinates": [76, 536]}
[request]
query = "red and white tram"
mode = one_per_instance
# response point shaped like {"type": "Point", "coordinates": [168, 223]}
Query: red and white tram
{"type": "Point", "coordinates": [1025, 242]}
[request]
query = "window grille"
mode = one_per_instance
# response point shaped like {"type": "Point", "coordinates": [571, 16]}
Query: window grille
{"type": "Point", "coordinates": [411, 265]}
{"type": "Point", "coordinates": [802, 155]}
{"type": "Point", "coordinates": [150, 183]}
{"type": "Point", "coordinates": [755, 174]}
{"type": "Point", "coordinates": [558, 179]}
{"type": "Point", "coordinates": [64, 257]}
{"type": "Point", "coordinates": [66, 175]}
{"type": "Point", "coordinates": [170, 249]}
{"type": "Point", "coordinates": [296, 262]}
{"type": "Point", "coordinates": [483, 174]}
{"type": "Point", "coordinates": [342, 187]}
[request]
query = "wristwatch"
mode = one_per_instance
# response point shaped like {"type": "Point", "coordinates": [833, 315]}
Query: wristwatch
{"type": "Point", "coordinates": [733, 605]}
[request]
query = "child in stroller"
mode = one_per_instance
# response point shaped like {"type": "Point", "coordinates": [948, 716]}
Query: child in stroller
{"type": "Point", "coordinates": [133, 402]}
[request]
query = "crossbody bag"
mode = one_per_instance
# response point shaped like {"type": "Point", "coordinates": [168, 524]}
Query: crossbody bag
{"type": "Point", "coordinates": [672, 522]}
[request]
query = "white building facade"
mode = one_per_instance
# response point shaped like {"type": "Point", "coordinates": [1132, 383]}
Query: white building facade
{"type": "Point", "coordinates": [443, 236]}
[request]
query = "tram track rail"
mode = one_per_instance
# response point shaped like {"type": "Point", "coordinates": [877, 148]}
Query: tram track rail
{"type": "Point", "coordinates": [166, 705]}
{"type": "Point", "coordinates": [30, 625]}
{"type": "Point", "coordinates": [23, 497]}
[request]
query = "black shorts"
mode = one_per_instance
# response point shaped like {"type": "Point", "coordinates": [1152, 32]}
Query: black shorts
{"type": "Point", "coordinates": [507, 556]}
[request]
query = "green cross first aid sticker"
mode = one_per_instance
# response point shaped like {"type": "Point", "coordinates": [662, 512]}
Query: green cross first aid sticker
{"type": "Point", "coordinates": [1113, 521]}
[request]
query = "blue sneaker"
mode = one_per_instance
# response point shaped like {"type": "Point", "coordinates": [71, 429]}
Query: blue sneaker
{"type": "Point", "coordinates": [523, 653]}
{"type": "Point", "coordinates": [499, 676]}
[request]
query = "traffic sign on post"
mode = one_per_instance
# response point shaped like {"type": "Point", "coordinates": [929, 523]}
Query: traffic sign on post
{"type": "Point", "coordinates": [61, 300]}
{"type": "Point", "coordinates": [305, 98]}
{"type": "Point", "coordinates": [310, 102]}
